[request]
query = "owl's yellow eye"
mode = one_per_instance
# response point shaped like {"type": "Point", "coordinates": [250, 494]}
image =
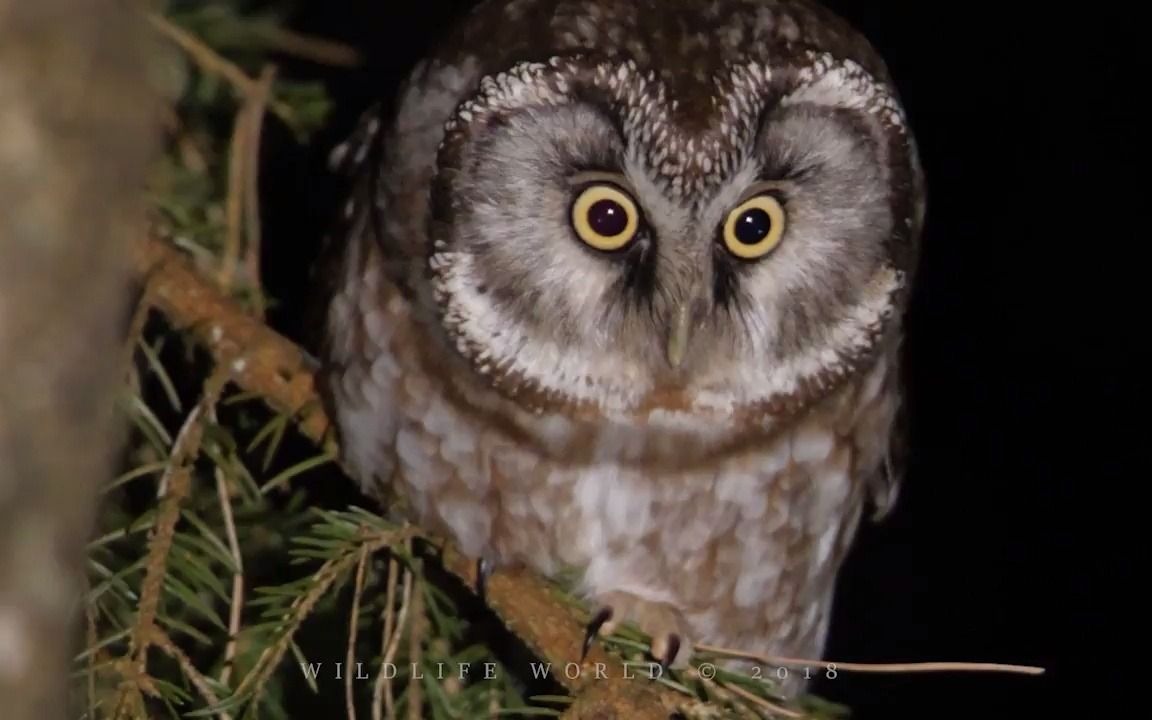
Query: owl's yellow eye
{"type": "Point", "coordinates": [605, 217]}
{"type": "Point", "coordinates": [754, 228]}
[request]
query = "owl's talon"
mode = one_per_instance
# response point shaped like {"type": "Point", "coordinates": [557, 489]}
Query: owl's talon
{"type": "Point", "coordinates": [669, 655]}
{"type": "Point", "coordinates": [483, 571]}
{"type": "Point", "coordinates": [660, 621]}
{"type": "Point", "coordinates": [594, 626]}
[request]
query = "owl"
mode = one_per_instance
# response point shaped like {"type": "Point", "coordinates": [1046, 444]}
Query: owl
{"type": "Point", "coordinates": [617, 292]}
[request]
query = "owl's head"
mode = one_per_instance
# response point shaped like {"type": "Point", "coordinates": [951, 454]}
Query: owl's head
{"type": "Point", "coordinates": [710, 212]}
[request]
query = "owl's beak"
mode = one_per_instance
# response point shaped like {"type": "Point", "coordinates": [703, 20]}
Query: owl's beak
{"type": "Point", "coordinates": [681, 327]}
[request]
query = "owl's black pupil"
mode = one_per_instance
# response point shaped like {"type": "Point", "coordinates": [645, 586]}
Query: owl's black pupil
{"type": "Point", "coordinates": [607, 218]}
{"type": "Point", "coordinates": [753, 226]}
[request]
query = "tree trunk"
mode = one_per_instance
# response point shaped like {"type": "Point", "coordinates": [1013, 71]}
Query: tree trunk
{"type": "Point", "coordinates": [76, 132]}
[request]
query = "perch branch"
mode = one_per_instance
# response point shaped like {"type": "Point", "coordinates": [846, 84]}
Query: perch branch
{"type": "Point", "coordinates": [262, 361]}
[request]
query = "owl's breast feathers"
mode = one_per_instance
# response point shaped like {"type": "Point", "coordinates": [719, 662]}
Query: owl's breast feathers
{"type": "Point", "coordinates": [748, 543]}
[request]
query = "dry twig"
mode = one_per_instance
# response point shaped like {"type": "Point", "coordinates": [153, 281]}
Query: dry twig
{"type": "Point", "coordinates": [389, 621]}
{"type": "Point", "coordinates": [242, 202]}
{"type": "Point", "coordinates": [393, 625]}
{"type": "Point", "coordinates": [417, 633]}
{"type": "Point", "coordinates": [353, 625]}
{"type": "Point", "coordinates": [234, 201]}
{"type": "Point", "coordinates": [776, 661]}
{"type": "Point", "coordinates": [255, 107]}
{"type": "Point", "coordinates": [236, 602]}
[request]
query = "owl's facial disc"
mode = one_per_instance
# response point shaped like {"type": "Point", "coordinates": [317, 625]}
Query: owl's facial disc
{"type": "Point", "coordinates": [589, 251]}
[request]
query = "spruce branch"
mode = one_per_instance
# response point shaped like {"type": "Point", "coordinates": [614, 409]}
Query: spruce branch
{"type": "Point", "coordinates": [198, 680]}
{"type": "Point", "coordinates": [175, 485]}
{"type": "Point", "coordinates": [302, 606]}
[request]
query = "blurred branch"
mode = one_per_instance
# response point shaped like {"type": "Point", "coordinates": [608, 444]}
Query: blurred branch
{"type": "Point", "coordinates": [319, 50]}
{"type": "Point", "coordinates": [213, 63]}
{"type": "Point", "coordinates": [242, 213]}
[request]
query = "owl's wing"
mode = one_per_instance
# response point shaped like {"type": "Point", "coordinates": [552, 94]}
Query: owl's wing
{"type": "Point", "coordinates": [355, 164]}
{"type": "Point", "coordinates": [342, 297]}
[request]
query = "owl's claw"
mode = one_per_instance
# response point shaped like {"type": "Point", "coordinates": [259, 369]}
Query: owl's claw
{"type": "Point", "coordinates": [660, 621]}
{"type": "Point", "coordinates": [673, 643]}
{"type": "Point", "coordinates": [483, 571]}
{"type": "Point", "coordinates": [593, 629]}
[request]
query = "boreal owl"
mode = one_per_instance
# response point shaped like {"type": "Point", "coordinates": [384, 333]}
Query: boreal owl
{"type": "Point", "coordinates": [618, 292]}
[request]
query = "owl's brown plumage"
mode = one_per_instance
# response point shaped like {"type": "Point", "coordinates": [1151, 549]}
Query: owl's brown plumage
{"type": "Point", "coordinates": [618, 290]}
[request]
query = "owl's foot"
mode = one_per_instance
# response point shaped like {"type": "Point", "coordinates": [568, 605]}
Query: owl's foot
{"type": "Point", "coordinates": [660, 621]}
